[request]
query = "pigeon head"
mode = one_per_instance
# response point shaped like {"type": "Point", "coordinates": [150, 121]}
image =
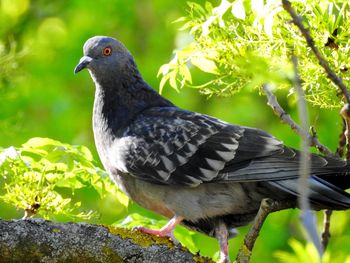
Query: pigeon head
{"type": "Point", "coordinates": [104, 56]}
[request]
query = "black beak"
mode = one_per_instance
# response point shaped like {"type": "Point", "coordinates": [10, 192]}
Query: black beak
{"type": "Point", "coordinates": [83, 63]}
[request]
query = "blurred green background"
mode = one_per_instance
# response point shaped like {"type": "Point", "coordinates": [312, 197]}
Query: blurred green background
{"type": "Point", "coordinates": [40, 44]}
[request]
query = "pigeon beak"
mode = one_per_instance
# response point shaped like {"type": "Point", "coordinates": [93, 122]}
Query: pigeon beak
{"type": "Point", "coordinates": [83, 63]}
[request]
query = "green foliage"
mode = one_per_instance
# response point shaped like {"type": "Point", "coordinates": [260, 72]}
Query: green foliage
{"type": "Point", "coordinates": [8, 61]}
{"type": "Point", "coordinates": [9, 54]}
{"type": "Point", "coordinates": [247, 43]}
{"type": "Point", "coordinates": [308, 253]}
{"type": "Point", "coordinates": [42, 176]}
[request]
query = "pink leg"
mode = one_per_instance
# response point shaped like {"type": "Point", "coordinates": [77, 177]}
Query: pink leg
{"type": "Point", "coordinates": [166, 230]}
{"type": "Point", "coordinates": [222, 235]}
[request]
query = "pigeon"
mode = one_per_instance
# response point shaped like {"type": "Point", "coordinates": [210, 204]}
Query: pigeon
{"type": "Point", "coordinates": [196, 170]}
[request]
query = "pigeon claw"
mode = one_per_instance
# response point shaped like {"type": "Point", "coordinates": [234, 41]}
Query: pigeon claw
{"type": "Point", "coordinates": [165, 231]}
{"type": "Point", "coordinates": [155, 232]}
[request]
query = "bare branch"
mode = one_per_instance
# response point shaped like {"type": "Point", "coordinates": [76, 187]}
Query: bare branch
{"type": "Point", "coordinates": [342, 141]}
{"type": "Point", "coordinates": [267, 206]}
{"type": "Point", "coordinates": [328, 213]}
{"type": "Point", "coordinates": [306, 33]}
{"type": "Point", "coordinates": [326, 228]}
{"type": "Point", "coordinates": [285, 118]}
{"type": "Point", "coordinates": [345, 113]}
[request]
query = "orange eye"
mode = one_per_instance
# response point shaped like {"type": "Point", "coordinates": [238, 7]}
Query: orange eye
{"type": "Point", "coordinates": [107, 51]}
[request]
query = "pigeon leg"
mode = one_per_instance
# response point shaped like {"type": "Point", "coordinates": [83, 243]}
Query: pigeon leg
{"type": "Point", "coordinates": [221, 234]}
{"type": "Point", "coordinates": [166, 230]}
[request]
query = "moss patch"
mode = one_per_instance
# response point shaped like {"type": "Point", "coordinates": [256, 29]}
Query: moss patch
{"type": "Point", "coordinates": [141, 239]}
{"type": "Point", "coordinates": [200, 259]}
{"type": "Point", "coordinates": [146, 240]}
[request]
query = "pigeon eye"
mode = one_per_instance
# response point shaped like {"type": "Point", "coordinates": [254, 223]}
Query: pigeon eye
{"type": "Point", "coordinates": [107, 51]}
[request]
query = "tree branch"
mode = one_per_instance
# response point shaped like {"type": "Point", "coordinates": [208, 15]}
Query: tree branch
{"type": "Point", "coordinates": [267, 206]}
{"type": "Point", "coordinates": [311, 43]}
{"type": "Point", "coordinates": [45, 241]}
{"type": "Point", "coordinates": [345, 113]}
{"type": "Point", "coordinates": [342, 141]}
{"type": "Point", "coordinates": [326, 235]}
{"type": "Point", "coordinates": [285, 118]}
{"type": "Point", "coordinates": [326, 228]}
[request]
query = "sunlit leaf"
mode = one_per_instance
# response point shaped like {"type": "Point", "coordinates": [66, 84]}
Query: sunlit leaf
{"type": "Point", "coordinates": [180, 19]}
{"type": "Point", "coordinates": [69, 183]}
{"type": "Point", "coordinates": [204, 64]}
{"type": "Point", "coordinates": [122, 198]}
{"type": "Point", "coordinates": [85, 152]}
{"type": "Point", "coordinates": [207, 24]}
{"type": "Point", "coordinates": [164, 69]}
{"type": "Point", "coordinates": [268, 23]}
{"type": "Point", "coordinates": [162, 83]}
{"type": "Point", "coordinates": [222, 8]}
{"type": "Point", "coordinates": [238, 9]}
{"type": "Point", "coordinates": [257, 7]}
{"type": "Point", "coordinates": [172, 80]}
{"type": "Point", "coordinates": [186, 74]}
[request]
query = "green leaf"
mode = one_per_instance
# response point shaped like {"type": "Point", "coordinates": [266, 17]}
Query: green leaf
{"type": "Point", "coordinates": [172, 80]}
{"type": "Point", "coordinates": [238, 9]}
{"type": "Point", "coordinates": [222, 8]}
{"type": "Point", "coordinates": [164, 69]}
{"type": "Point", "coordinates": [85, 152]}
{"type": "Point", "coordinates": [185, 73]}
{"type": "Point", "coordinates": [204, 64]}
{"type": "Point", "coordinates": [122, 198]}
{"type": "Point", "coordinates": [268, 23]}
{"type": "Point", "coordinates": [180, 19]}
{"type": "Point", "coordinates": [40, 143]}
{"type": "Point", "coordinates": [257, 7]}
{"type": "Point", "coordinates": [72, 183]}
{"type": "Point", "coordinates": [162, 83]}
{"type": "Point", "coordinates": [206, 25]}
{"type": "Point", "coordinates": [185, 26]}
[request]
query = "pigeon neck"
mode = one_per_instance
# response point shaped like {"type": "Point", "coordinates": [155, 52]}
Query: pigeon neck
{"type": "Point", "coordinates": [118, 102]}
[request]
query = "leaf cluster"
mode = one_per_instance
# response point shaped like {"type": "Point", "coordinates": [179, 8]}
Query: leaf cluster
{"type": "Point", "coordinates": [244, 44]}
{"type": "Point", "coordinates": [43, 175]}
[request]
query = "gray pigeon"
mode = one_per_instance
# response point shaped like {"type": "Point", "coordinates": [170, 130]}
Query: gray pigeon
{"type": "Point", "coordinates": [199, 171]}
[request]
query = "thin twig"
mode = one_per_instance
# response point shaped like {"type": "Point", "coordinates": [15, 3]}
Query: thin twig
{"type": "Point", "coordinates": [267, 206]}
{"type": "Point", "coordinates": [326, 234]}
{"type": "Point", "coordinates": [311, 43]}
{"type": "Point", "coordinates": [345, 113]}
{"type": "Point", "coordinates": [286, 118]}
{"type": "Point", "coordinates": [342, 141]}
{"type": "Point", "coordinates": [326, 228]}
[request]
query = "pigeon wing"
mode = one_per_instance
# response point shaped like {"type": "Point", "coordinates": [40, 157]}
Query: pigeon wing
{"type": "Point", "coordinates": [171, 146]}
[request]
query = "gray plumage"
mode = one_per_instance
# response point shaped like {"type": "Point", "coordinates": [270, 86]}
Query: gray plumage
{"type": "Point", "coordinates": [177, 162]}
